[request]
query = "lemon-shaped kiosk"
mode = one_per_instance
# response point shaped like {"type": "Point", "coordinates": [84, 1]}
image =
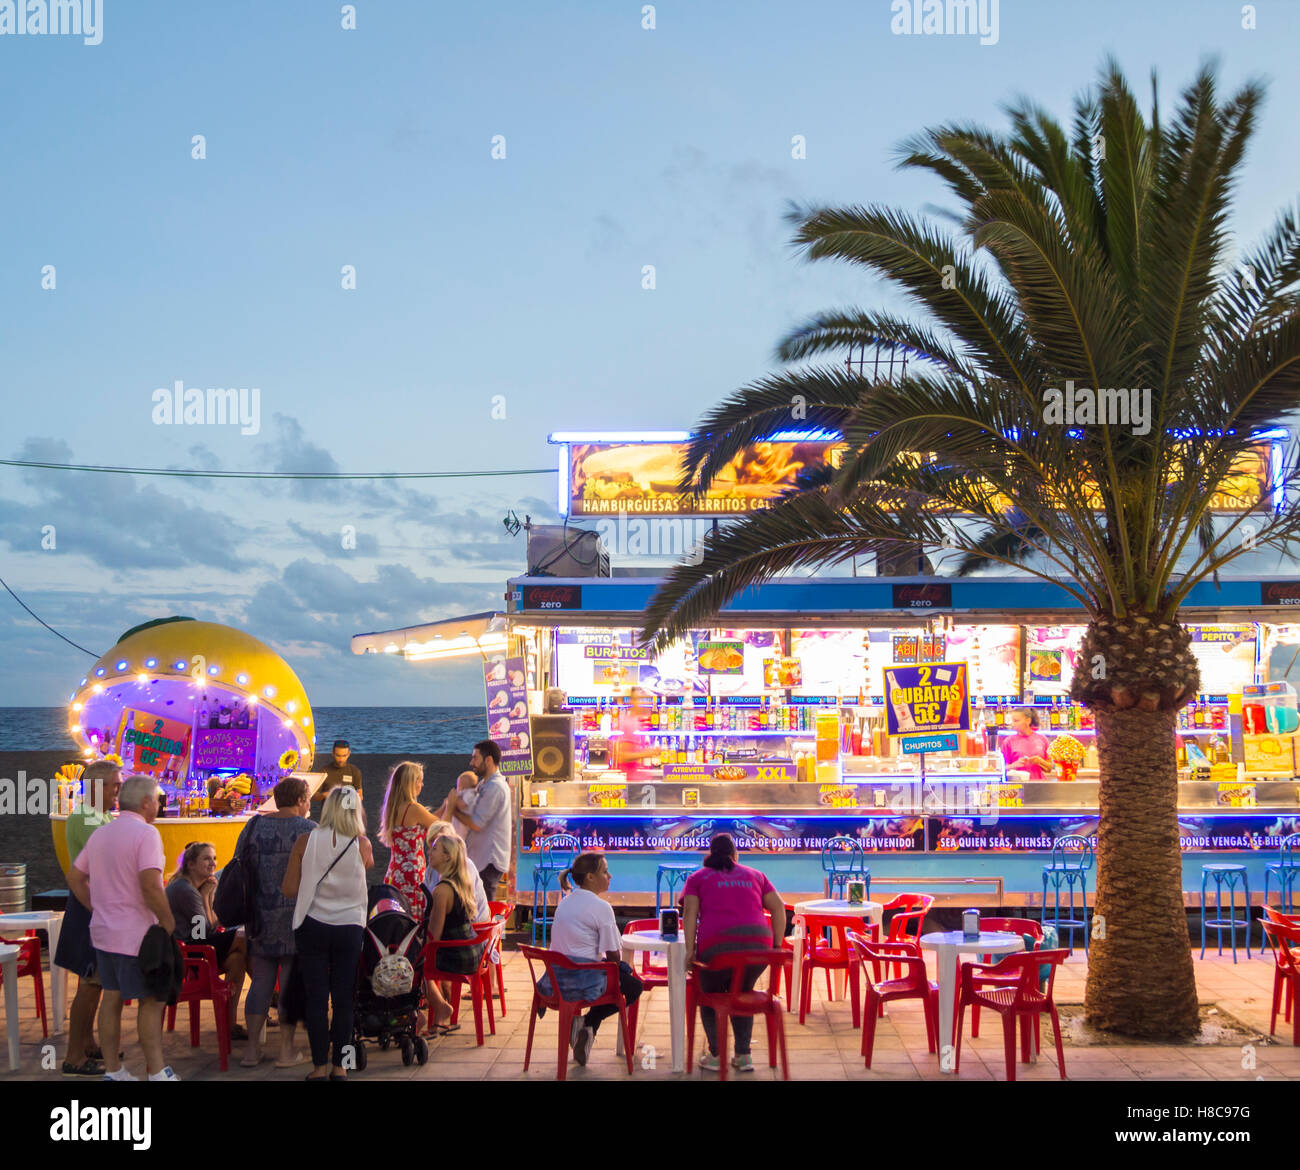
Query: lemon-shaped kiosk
{"type": "Point", "coordinates": [190, 702]}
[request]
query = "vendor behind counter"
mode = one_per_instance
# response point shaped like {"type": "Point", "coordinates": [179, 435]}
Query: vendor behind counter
{"type": "Point", "coordinates": [1026, 748]}
{"type": "Point", "coordinates": [338, 771]}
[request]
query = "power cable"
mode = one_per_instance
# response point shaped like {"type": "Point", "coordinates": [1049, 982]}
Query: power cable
{"type": "Point", "coordinates": [46, 624]}
{"type": "Point", "coordinates": [183, 473]}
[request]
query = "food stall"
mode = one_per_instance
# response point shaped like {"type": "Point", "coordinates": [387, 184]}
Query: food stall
{"type": "Point", "coordinates": [214, 715]}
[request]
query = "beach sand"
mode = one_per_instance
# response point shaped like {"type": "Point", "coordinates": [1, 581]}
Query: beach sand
{"type": "Point", "coordinates": [27, 838]}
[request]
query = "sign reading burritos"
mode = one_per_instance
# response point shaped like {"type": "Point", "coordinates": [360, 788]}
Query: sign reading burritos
{"type": "Point", "coordinates": [641, 479]}
{"type": "Point", "coordinates": [721, 657]}
{"type": "Point", "coordinates": [927, 698]}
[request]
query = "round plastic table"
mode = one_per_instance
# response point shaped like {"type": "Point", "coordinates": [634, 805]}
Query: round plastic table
{"type": "Point", "coordinates": [872, 912]}
{"type": "Point", "coordinates": [9, 962]}
{"type": "Point", "coordinates": [947, 945]}
{"type": "Point", "coordinates": [50, 921]}
{"type": "Point", "coordinates": [675, 949]}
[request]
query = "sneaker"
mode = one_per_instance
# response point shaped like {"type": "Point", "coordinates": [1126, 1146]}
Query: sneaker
{"type": "Point", "coordinates": [743, 1063]}
{"type": "Point", "coordinates": [120, 1075]}
{"type": "Point", "coordinates": [165, 1075]}
{"type": "Point", "coordinates": [582, 1045]}
{"type": "Point", "coordinates": [709, 1062]}
{"type": "Point", "coordinates": [87, 1068]}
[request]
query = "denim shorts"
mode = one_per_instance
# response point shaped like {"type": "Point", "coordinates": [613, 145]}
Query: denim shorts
{"type": "Point", "coordinates": [121, 973]}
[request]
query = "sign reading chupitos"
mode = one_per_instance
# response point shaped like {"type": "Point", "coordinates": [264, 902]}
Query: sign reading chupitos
{"type": "Point", "coordinates": [927, 699]}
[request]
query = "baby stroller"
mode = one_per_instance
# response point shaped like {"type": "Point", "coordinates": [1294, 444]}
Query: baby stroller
{"type": "Point", "coordinates": [390, 979]}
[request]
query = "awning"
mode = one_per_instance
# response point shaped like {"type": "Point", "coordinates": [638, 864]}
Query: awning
{"type": "Point", "coordinates": [472, 635]}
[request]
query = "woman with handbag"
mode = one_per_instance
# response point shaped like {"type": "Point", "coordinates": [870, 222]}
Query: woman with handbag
{"type": "Point", "coordinates": [271, 838]}
{"type": "Point", "coordinates": [327, 876]}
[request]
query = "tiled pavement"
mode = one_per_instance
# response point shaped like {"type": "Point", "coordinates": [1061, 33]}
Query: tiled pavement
{"type": "Point", "coordinates": [825, 1048]}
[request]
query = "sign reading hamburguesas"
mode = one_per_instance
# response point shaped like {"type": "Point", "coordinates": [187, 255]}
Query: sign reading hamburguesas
{"type": "Point", "coordinates": [929, 698]}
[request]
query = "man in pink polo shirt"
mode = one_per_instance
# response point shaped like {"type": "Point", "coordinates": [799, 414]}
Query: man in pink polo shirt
{"type": "Point", "coordinates": [118, 877]}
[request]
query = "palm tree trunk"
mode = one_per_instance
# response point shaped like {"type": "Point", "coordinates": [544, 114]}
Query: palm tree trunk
{"type": "Point", "coordinates": [1140, 976]}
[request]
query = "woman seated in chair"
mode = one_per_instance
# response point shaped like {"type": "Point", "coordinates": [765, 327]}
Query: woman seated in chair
{"type": "Point", "coordinates": [451, 917]}
{"type": "Point", "coordinates": [189, 894]}
{"type": "Point", "coordinates": [584, 930]}
{"type": "Point", "coordinates": [724, 906]}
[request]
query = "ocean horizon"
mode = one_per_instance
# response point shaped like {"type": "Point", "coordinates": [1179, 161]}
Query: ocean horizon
{"type": "Point", "coordinates": [368, 729]}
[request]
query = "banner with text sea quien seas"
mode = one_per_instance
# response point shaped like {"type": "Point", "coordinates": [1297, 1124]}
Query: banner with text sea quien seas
{"type": "Point", "coordinates": [151, 744]}
{"type": "Point", "coordinates": [507, 713]}
{"type": "Point", "coordinates": [929, 699]}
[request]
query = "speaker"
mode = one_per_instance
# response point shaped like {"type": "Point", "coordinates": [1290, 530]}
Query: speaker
{"type": "Point", "coordinates": [552, 747]}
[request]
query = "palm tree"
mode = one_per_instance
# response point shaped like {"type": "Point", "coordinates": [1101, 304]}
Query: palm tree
{"type": "Point", "coordinates": [1098, 258]}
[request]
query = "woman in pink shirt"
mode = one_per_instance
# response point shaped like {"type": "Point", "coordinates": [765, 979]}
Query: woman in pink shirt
{"type": "Point", "coordinates": [1026, 750]}
{"type": "Point", "coordinates": [726, 907]}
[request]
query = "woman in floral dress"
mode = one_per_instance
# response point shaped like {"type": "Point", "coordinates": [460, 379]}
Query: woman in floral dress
{"type": "Point", "coordinates": [404, 828]}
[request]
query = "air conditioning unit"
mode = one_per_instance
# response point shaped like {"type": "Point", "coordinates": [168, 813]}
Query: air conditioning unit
{"type": "Point", "coordinates": [556, 551]}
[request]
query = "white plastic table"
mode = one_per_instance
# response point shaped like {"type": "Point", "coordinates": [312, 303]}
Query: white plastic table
{"type": "Point", "coordinates": [873, 912]}
{"type": "Point", "coordinates": [947, 945]}
{"type": "Point", "coordinates": [9, 961]}
{"type": "Point", "coordinates": [50, 921]}
{"type": "Point", "coordinates": [675, 949]}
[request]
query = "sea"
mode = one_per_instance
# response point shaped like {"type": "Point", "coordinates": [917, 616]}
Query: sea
{"type": "Point", "coordinates": [428, 730]}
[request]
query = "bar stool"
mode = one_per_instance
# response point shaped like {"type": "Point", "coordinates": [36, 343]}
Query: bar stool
{"type": "Point", "coordinates": [1225, 875]}
{"type": "Point", "coordinates": [557, 855]}
{"type": "Point", "coordinates": [843, 859]}
{"type": "Point", "coordinates": [1070, 863]}
{"type": "Point", "coordinates": [675, 874]}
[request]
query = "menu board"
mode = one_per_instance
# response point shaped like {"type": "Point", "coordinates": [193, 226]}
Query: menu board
{"type": "Point", "coordinates": [720, 657]}
{"type": "Point", "coordinates": [148, 743]}
{"type": "Point", "coordinates": [779, 673]}
{"type": "Point", "coordinates": [927, 698]}
{"type": "Point", "coordinates": [1226, 656]}
{"type": "Point", "coordinates": [1051, 655]}
{"type": "Point", "coordinates": [507, 713]}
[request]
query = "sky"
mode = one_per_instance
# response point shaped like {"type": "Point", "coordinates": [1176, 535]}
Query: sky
{"type": "Point", "coordinates": [496, 299]}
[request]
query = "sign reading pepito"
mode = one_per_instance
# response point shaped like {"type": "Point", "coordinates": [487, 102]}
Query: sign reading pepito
{"type": "Point", "coordinates": [932, 698]}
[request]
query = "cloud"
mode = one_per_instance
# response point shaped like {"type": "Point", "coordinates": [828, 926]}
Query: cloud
{"type": "Point", "coordinates": [331, 543]}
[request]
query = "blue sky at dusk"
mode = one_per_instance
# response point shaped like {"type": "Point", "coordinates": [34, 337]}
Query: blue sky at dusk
{"type": "Point", "coordinates": [475, 277]}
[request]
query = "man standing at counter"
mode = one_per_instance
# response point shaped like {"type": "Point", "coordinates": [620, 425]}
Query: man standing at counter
{"type": "Point", "coordinates": [1026, 749]}
{"type": "Point", "coordinates": [339, 772]}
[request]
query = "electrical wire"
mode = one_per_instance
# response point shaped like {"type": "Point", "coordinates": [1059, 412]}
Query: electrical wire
{"type": "Point", "coordinates": [182, 473]}
{"type": "Point", "coordinates": [46, 624]}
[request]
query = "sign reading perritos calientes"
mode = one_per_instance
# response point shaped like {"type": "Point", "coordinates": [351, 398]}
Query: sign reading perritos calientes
{"type": "Point", "coordinates": [929, 699]}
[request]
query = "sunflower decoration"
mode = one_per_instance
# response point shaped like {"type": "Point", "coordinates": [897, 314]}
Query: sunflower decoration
{"type": "Point", "coordinates": [289, 761]}
{"type": "Point", "coordinates": [113, 758]}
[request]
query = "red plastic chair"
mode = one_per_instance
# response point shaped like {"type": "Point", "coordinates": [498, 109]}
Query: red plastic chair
{"type": "Point", "coordinates": [1285, 973]}
{"type": "Point", "coordinates": [913, 985]}
{"type": "Point", "coordinates": [835, 955]}
{"type": "Point", "coordinates": [501, 912]}
{"type": "Point", "coordinates": [905, 926]}
{"type": "Point", "coordinates": [479, 980]}
{"type": "Point", "coordinates": [738, 1002]}
{"type": "Point", "coordinates": [1018, 1000]}
{"type": "Point", "coordinates": [566, 1009]}
{"type": "Point", "coordinates": [202, 980]}
{"type": "Point", "coordinates": [29, 963]}
{"type": "Point", "coordinates": [1012, 926]}
{"type": "Point", "coordinates": [650, 973]}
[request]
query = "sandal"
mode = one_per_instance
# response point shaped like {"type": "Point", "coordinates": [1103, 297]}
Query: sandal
{"type": "Point", "coordinates": [447, 1029]}
{"type": "Point", "coordinates": [298, 1058]}
{"type": "Point", "coordinates": [247, 1063]}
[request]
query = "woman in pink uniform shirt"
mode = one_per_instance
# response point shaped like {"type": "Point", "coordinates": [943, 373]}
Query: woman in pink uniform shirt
{"type": "Point", "coordinates": [1026, 749]}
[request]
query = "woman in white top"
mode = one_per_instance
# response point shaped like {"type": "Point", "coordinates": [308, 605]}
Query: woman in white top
{"type": "Point", "coordinates": [327, 877]}
{"type": "Point", "coordinates": [585, 931]}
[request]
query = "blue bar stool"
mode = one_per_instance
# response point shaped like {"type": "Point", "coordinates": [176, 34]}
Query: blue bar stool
{"type": "Point", "coordinates": [1069, 864]}
{"type": "Point", "coordinates": [1286, 869]}
{"type": "Point", "coordinates": [1225, 875]}
{"type": "Point", "coordinates": [557, 855]}
{"type": "Point", "coordinates": [843, 860]}
{"type": "Point", "coordinates": [675, 874]}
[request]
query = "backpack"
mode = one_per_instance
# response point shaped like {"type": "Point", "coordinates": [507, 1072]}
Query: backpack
{"type": "Point", "coordinates": [393, 974]}
{"type": "Point", "coordinates": [234, 901]}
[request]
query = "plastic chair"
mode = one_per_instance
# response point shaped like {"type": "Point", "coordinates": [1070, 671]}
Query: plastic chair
{"type": "Point", "coordinates": [566, 1009]}
{"type": "Point", "coordinates": [1013, 999]}
{"type": "Point", "coordinates": [1070, 863]}
{"type": "Point", "coordinates": [736, 1001]}
{"type": "Point", "coordinates": [1271, 915]}
{"type": "Point", "coordinates": [674, 873]}
{"type": "Point", "coordinates": [913, 985]}
{"type": "Point", "coordinates": [1225, 875]}
{"type": "Point", "coordinates": [202, 980]}
{"type": "Point", "coordinates": [1286, 869]}
{"type": "Point", "coordinates": [29, 963]}
{"type": "Point", "coordinates": [500, 912]}
{"type": "Point", "coordinates": [832, 955]}
{"type": "Point", "coordinates": [1012, 926]}
{"type": "Point", "coordinates": [843, 860]}
{"type": "Point", "coordinates": [787, 945]}
{"type": "Point", "coordinates": [479, 980]}
{"type": "Point", "coordinates": [556, 856]}
{"type": "Point", "coordinates": [650, 973]}
{"type": "Point", "coordinates": [1285, 974]}
{"type": "Point", "coordinates": [905, 926]}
